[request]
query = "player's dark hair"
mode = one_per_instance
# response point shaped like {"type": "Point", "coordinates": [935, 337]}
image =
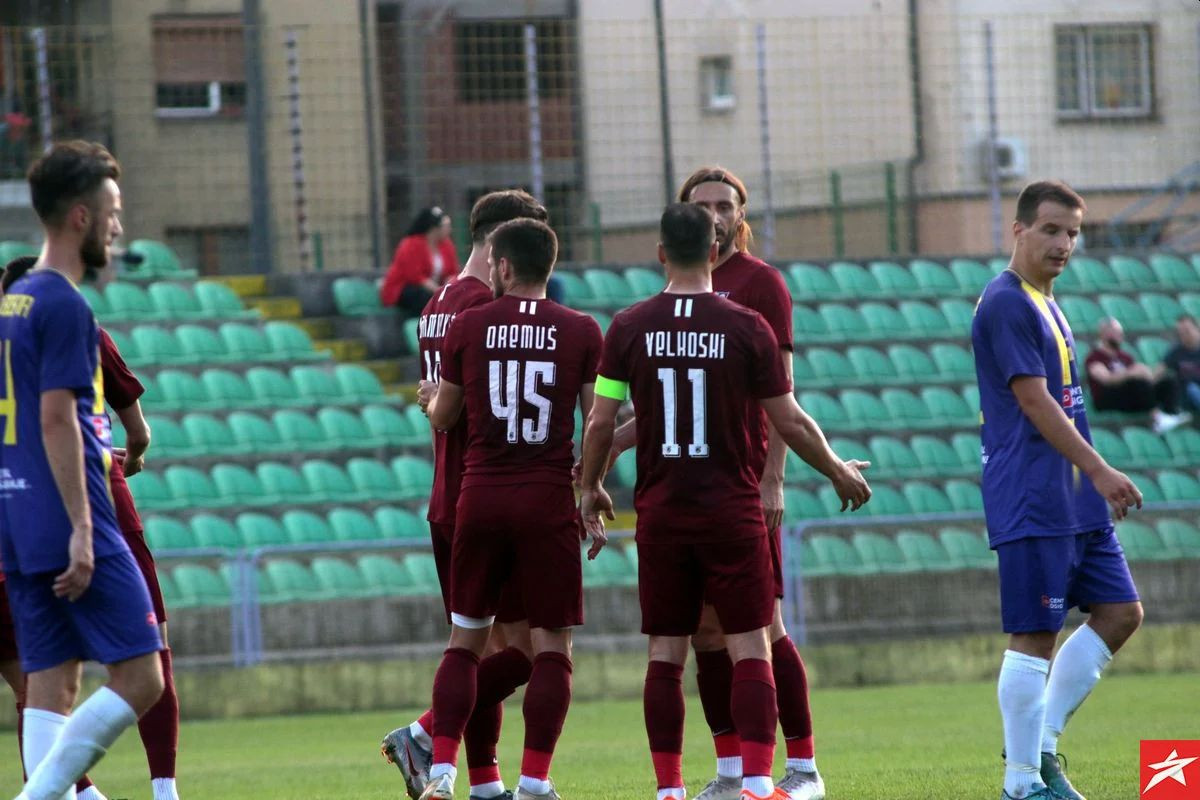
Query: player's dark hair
{"type": "Point", "coordinates": [426, 220]}
{"type": "Point", "coordinates": [686, 232]}
{"type": "Point", "coordinates": [1040, 192]}
{"type": "Point", "coordinates": [743, 236]}
{"type": "Point", "coordinates": [69, 174]}
{"type": "Point", "coordinates": [15, 269]}
{"type": "Point", "coordinates": [495, 208]}
{"type": "Point", "coordinates": [529, 245]}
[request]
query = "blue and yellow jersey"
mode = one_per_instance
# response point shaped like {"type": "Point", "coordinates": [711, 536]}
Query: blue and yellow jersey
{"type": "Point", "coordinates": [1029, 488]}
{"type": "Point", "coordinates": [49, 340]}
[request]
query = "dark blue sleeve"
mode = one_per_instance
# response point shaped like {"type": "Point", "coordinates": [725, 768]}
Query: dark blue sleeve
{"type": "Point", "coordinates": [1014, 333]}
{"type": "Point", "coordinates": [68, 342]}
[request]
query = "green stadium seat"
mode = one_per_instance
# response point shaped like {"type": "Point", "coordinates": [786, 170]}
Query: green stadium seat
{"type": "Point", "coordinates": [924, 319]}
{"type": "Point", "coordinates": [356, 297]}
{"type": "Point", "coordinates": [174, 302]}
{"type": "Point", "coordinates": [923, 551]}
{"type": "Point", "coordinates": [880, 553]}
{"type": "Point", "coordinates": [625, 469]}
{"type": "Point", "coordinates": [602, 319]}
{"type": "Point", "coordinates": [300, 431]}
{"type": "Point", "coordinates": [865, 410]}
{"type": "Point", "coordinates": [969, 450]}
{"type": "Point", "coordinates": [1173, 272]}
{"type": "Point", "coordinates": [329, 483]}
{"type": "Point", "coordinates": [1146, 448]}
{"type": "Point", "coordinates": [838, 555]}
{"type": "Point", "coordinates": [802, 371]}
{"type": "Point", "coordinates": [827, 411]}
{"type": "Point", "coordinates": [170, 438]}
{"type": "Point", "coordinates": [213, 531]}
{"type": "Point", "coordinates": [342, 428]}
{"type": "Point", "coordinates": [422, 433]}
{"type": "Point", "coordinates": [245, 342]}
{"type": "Point", "coordinates": [353, 525]}
{"type": "Point", "coordinates": [934, 456]}
{"type": "Point", "coordinates": [609, 288]}
{"type": "Point", "coordinates": [1151, 491]}
{"type": "Point", "coordinates": [226, 389]}
{"type": "Point", "coordinates": [316, 386]}
{"type": "Point", "coordinates": [970, 394]}
{"type": "Point", "coordinates": [645, 282]}
{"type": "Point", "coordinates": [181, 391]}
{"type": "Point", "coordinates": [954, 363]}
{"type": "Point", "coordinates": [305, 527]}
{"type": "Point", "coordinates": [805, 559]}
{"type": "Point", "coordinates": [998, 264]}
{"type": "Point", "coordinates": [164, 533]}
{"type": "Point", "coordinates": [894, 280]}
{"type": "Point", "coordinates": [386, 576]}
{"type": "Point", "coordinates": [1184, 444]}
{"type": "Point", "coordinates": [576, 292]}
{"type": "Point", "coordinates": [808, 326]}
{"type": "Point", "coordinates": [1180, 536]}
{"type": "Point", "coordinates": [610, 568]}
{"type": "Point", "coordinates": [1112, 447]}
{"type": "Point", "coordinates": [1142, 543]}
{"type": "Point", "coordinates": [1126, 309]}
{"type": "Point", "coordinates": [1152, 349]}
{"type": "Point", "coordinates": [871, 365]}
{"type": "Point", "coordinates": [853, 280]}
{"type": "Point", "coordinates": [970, 275]}
{"type": "Point", "coordinates": [964, 495]}
{"type": "Point", "coordinates": [200, 587]}
{"type": "Point", "coordinates": [398, 523]}
{"type": "Point", "coordinates": [842, 321]}
{"type": "Point", "coordinates": [1083, 315]}
{"type": "Point", "coordinates": [1161, 309]}
{"type": "Point", "coordinates": [95, 299]}
{"type": "Point", "coordinates": [415, 476]}
{"type": "Point", "coordinates": [831, 367]}
{"type": "Point", "coordinates": [10, 250]}
{"type": "Point", "coordinates": [799, 504]}
{"type": "Point", "coordinates": [412, 336]}
{"type": "Point", "coordinates": [850, 448]}
{"type": "Point", "coordinates": [291, 581]}
{"type": "Point", "coordinates": [210, 436]}
{"type": "Point", "coordinates": [284, 485]}
{"type": "Point", "coordinates": [238, 485]}
{"type": "Point", "coordinates": [358, 384]}
{"type": "Point", "coordinates": [158, 261]}
{"type": "Point", "coordinates": [261, 530]}
{"type": "Point", "coordinates": [831, 504]}
{"type": "Point", "coordinates": [290, 343]}
{"type": "Point", "coordinates": [129, 302]}
{"type": "Point", "coordinates": [810, 282]}
{"type": "Point", "coordinates": [423, 568]}
{"type": "Point", "coordinates": [193, 488]}
{"type": "Point", "coordinates": [1068, 282]}
{"type": "Point", "coordinates": [1189, 300]}
{"type": "Point", "coordinates": [967, 549]}
{"type": "Point", "coordinates": [1132, 274]}
{"type": "Point", "coordinates": [338, 579]}
{"type": "Point", "coordinates": [887, 501]}
{"type": "Point", "coordinates": [883, 321]}
{"type": "Point", "coordinates": [933, 279]}
{"type": "Point", "coordinates": [156, 346]}
{"type": "Point", "coordinates": [201, 345]}
{"type": "Point", "coordinates": [959, 314]}
{"type": "Point", "coordinates": [1094, 275]}
{"type": "Point", "coordinates": [218, 301]}
{"type": "Point", "coordinates": [924, 498]}
{"type": "Point", "coordinates": [271, 388]}
{"type": "Point", "coordinates": [166, 585]}
{"type": "Point", "coordinates": [946, 407]}
{"type": "Point", "coordinates": [1178, 486]}
{"type": "Point", "coordinates": [372, 480]}
{"type": "Point", "coordinates": [906, 409]}
{"type": "Point", "coordinates": [890, 456]}
{"type": "Point", "coordinates": [386, 426]}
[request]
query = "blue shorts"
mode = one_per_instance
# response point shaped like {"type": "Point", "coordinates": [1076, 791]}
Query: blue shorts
{"type": "Point", "coordinates": [113, 621]}
{"type": "Point", "coordinates": [1043, 577]}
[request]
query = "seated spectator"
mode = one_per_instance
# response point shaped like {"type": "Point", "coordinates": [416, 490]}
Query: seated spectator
{"type": "Point", "coordinates": [424, 260]}
{"type": "Point", "coordinates": [1183, 360]}
{"type": "Point", "coordinates": [1119, 383]}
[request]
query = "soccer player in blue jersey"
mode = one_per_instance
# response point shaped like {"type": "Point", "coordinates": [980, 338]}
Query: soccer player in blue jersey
{"type": "Point", "coordinates": [1049, 497]}
{"type": "Point", "coordinates": [75, 590]}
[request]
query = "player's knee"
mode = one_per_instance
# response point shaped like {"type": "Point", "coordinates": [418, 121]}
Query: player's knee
{"type": "Point", "coordinates": [557, 640]}
{"type": "Point", "coordinates": [708, 636]}
{"type": "Point", "coordinates": [1124, 619]}
{"type": "Point", "coordinates": [671, 649]}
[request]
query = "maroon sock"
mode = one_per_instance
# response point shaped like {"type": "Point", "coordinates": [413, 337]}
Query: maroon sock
{"type": "Point", "coordinates": [791, 687]}
{"type": "Point", "coordinates": [500, 674]}
{"type": "Point", "coordinates": [453, 702]}
{"type": "Point", "coordinates": [21, 739]}
{"type": "Point", "coordinates": [83, 783]}
{"type": "Point", "coordinates": [714, 679]}
{"type": "Point", "coordinates": [546, 701]}
{"type": "Point", "coordinates": [662, 702]}
{"type": "Point", "coordinates": [426, 722]}
{"type": "Point", "coordinates": [159, 727]}
{"type": "Point", "coordinates": [755, 714]}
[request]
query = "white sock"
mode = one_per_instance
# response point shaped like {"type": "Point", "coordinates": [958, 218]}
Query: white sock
{"type": "Point", "coordinates": [802, 764]}
{"type": "Point", "coordinates": [534, 785]}
{"type": "Point", "coordinates": [487, 790]}
{"type": "Point", "coordinates": [1022, 695]}
{"type": "Point", "coordinates": [438, 770]}
{"type": "Point", "coordinates": [164, 789]}
{"type": "Point", "coordinates": [675, 793]}
{"type": "Point", "coordinates": [91, 793]}
{"type": "Point", "coordinates": [85, 738]}
{"type": "Point", "coordinates": [759, 785]}
{"type": "Point", "coordinates": [730, 767]}
{"type": "Point", "coordinates": [421, 735]}
{"type": "Point", "coordinates": [1074, 674]}
{"type": "Point", "coordinates": [41, 729]}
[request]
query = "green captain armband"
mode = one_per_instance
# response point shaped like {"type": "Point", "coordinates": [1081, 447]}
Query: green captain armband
{"type": "Point", "coordinates": [614, 390]}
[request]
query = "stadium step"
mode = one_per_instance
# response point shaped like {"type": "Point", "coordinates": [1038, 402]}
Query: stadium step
{"type": "Point", "coordinates": [318, 327]}
{"type": "Point", "coordinates": [387, 370]}
{"type": "Point", "coordinates": [405, 391]}
{"type": "Point", "coordinates": [245, 285]}
{"type": "Point", "coordinates": [343, 350]}
{"type": "Point", "coordinates": [285, 308]}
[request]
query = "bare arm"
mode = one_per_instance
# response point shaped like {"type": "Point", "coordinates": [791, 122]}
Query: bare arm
{"type": "Point", "coordinates": [771, 485]}
{"type": "Point", "coordinates": [597, 444]}
{"type": "Point", "coordinates": [1053, 424]}
{"type": "Point", "coordinates": [802, 434]}
{"type": "Point", "coordinates": [446, 405]}
{"type": "Point", "coordinates": [587, 397]}
{"type": "Point", "coordinates": [63, 442]}
{"type": "Point", "coordinates": [1103, 375]}
{"type": "Point", "coordinates": [137, 437]}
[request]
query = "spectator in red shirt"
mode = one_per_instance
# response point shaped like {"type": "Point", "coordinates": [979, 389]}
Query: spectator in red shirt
{"type": "Point", "coordinates": [424, 260]}
{"type": "Point", "coordinates": [1119, 383]}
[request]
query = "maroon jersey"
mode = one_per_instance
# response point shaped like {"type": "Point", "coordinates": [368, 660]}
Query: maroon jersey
{"type": "Point", "coordinates": [760, 287]}
{"type": "Point", "coordinates": [121, 389]}
{"type": "Point", "coordinates": [521, 364]}
{"type": "Point", "coordinates": [449, 447]}
{"type": "Point", "coordinates": [696, 366]}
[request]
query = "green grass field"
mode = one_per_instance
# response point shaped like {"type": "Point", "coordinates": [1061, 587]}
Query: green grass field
{"type": "Point", "coordinates": [892, 743]}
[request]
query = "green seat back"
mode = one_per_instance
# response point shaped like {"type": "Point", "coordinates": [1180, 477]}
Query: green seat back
{"type": "Point", "coordinates": [969, 450]}
{"type": "Point", "coordinates": [1112, 447]}
{"type": "Point", "coordinates": [925, 498]}
{"type": "Point", "coordinates": [924, 319]}
{"type": "Point", "coordinates": [932, 278]}
{"type": "Point", "coordinates": [218, 301]}
{"type": "Point", "coordinates": [415, 476]}
{"type": "Point", "coordinates": [954, 363]}
{"type": "Point", "coordinates": [1162, 310]}
{"type": "Point", "coordinates": [261, 530]}
{"type": "Point", "coordinates": [894, 279]}
{"type": "Point", "coordinates": [226, 389]}
{"type": "Point", "coordinates": [842, 321]}
{"type": "Point", "coordinates": [853, 280]}
{"type": "Point", "coordinates": [890, 456]}
{"type": "Point", "coordinates": [609, 288]}
{"type": "Point", "coordinates": [193, 487]}
{"type": "Point", "coordinates": [887, 501]}
{"type": "Point", "coordinates": [388, 426]}
{"type": "Point", "coordinates": [358, 384]}
{"type": "Point", "coordinates": [610, 568]}
{"type": "Point", "coordinates": [424, 571]}
{"type": "Point", "coordinates": [923, 551]}
{"type": "Point", "coordinates": [576, 292]}
{"type": "Point", "coordinates": [808, 325]}
{"type": "Point", "coordinates": [386, 575]}
{"type": "Point", "coordinates": [353, 525]}
{"type": "Point", "coordinates": [272, 388]}
{"type": "Point", "coordinates": [1093, 275]}
{"type": "Point", "coordinates": [1132, 273]}
{"type": "Point", "coordinates": [838, 555]}
{"type": "Point", "coordinates": [422, 433]}
{"type": "Point", "coordinates": [238, 485]}
{"type": "Point", "coordinates": [164, 533]}
{"type": "Point", "coordinates": [213, 531]}
{"type": "Point", "coordinates": [200, 586]}
{"type": "Point", "coordinates": [327, 482]}
{"type": "Point", "coordinates": [1173, 272]}
{"type": "Point", "coordinates": [959, 315]}
{"type": "Point", "coordinates": [935, 456]}
{"type": "Point", "coordinates": [1152, 349]}
{"type": "Point", "coordinates": [170, 438]}
{"type": "Point", "coordinates": [880, 553]}
{"type": "Point", "coordinates": [129, 302]}
{"type": "Point", "coordinates": [1151, 491]}
{"type": "Point", "coordinates": [964, 495]}
{"type": "Point", "coordinates": [1124, 308]}
{"type": "Point", "coordinates": [871, 365]}
{"type": "Point", "coordinates": [625, 469]}
{"type": "Point", "coordinates": [355, 297]}
{"type": "Point", "coordinates": [645, 282]}
{"type": "Point", "coordinates": [827, 411]}
{"type": "Point", "coordinates": [305, 527]}
{"type": "Point", "coordinates": [865, 410]}
{"type": "Point", "coordinates": [966, 548]}
{"type": "Point", "coordinates": [158, 260]}
{"type": "Point", "coordinates": [289, 342]}
{"type": "Point", "coordinates": [970, 275]}
{"type": "Point", "coordinates": [883, 321]}
{"type": "Point", "coordinates": [342, 428]}
{"type": "Point", "coordinates": [200, 345]}
{"type": "Point", "coordinates": [173, 301]}
{"type": "Point", "coordinates": [1141, 542]}
{"type": "Point", "coordinates": [181, 390]}
{"type": "Point", "coordinates": [95, 300]}
{"type": "Point", "coordinates": [283, 484]}
{"type": "Point", "coordinates": [209, 435]}
{"type": "Point", "coordinates": [156, 346]}
{"type": "Point", "coordinates": [1178, 486]}
{"type": "Point", "coordinates": [946, 407]}
{"type": "Point", "coordinates": [1184, 444]}
{"type": "Point", "coordinates": [810, 282]}
{"type": "Point", "coordinates": [372, 479]}
{"type": "Point", "coordinates": [316, 386]}
{"type": "Point", "coordinates": [292, 581]}
{"type": "Point", "coordinates": [1082, 314]}
{"type": "Point", "coordinates": [244, 342]}
{"type": "Point", "coordinates": [300, 431]}
{"type": "Point", "coordinates": [338, 578]}
{"type": "Point", "coordinates": [1180, 536]}
{"type": "Point", "coordinates": [399, 523]}
{"type": "Point", "coordinates": [830, 366]}
{"type": "Point", "coordinates": [1146, 448]}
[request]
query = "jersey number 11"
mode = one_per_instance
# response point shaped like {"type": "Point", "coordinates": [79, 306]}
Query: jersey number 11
{"type": "Point", "coordinates": [699, 446]}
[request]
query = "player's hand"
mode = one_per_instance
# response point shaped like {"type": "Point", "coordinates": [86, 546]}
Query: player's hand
{"type": "Point", "coordinates": [133, 466]}
{"type": "Point", "coordinates": [425, 392]}
{"type": "Point", "coordinates": [1120, 492]}
{"type": "Point", "coordinates": [72, 583]}
{"type": "Point", "coordinates": [577, 467]}
{"type": "Point", "coordinates": [772, 502]}
{"type": "Point", "coordinates": [851, 486]}
{"type": "Point", "coordinates": [593, 503]}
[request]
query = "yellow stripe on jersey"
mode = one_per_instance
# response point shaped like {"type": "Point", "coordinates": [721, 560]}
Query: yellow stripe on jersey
{"type": "Point", "coordinates": [1064, 351]}
{"type": "Point", "coordinates": [613, 390]}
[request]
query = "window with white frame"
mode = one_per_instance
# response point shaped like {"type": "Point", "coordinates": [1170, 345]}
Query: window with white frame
{"type": "Point", "coordinates": [199, 65]}
{"type": "Point", "coordinates": [716, 83]}
{"type": "Point", "coordinates": [1104, 71]}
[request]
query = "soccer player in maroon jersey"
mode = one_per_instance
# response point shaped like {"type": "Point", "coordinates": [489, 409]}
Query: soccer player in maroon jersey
{"type": "Point", "coordinates": [518, 366]}
{"type": "Point", "coordinates": [698, 365]}
{"type": "Point", "coordinates": [506, 667]}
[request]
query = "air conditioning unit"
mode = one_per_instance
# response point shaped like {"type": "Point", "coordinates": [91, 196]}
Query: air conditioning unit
{"type": "Point", "coordinates": [1012, 159]}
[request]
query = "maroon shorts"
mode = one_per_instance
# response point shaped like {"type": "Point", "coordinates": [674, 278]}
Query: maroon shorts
{"type": "Point", "coordinates": [775, 535]}
{"type": "Point", "coordinates": [518, 542]}
{"type": "Point", "coordinates": [675, 580]}
{"type": "Point", "coordinates": [442, 536]}
{"type": "Point", "coordinates": [145, 561]}
{"type": "Point", "coordinates": [8, 635]}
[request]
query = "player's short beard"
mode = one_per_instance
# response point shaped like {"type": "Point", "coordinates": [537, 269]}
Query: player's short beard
{"type": "Point", "coordinates": [93, 252]}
